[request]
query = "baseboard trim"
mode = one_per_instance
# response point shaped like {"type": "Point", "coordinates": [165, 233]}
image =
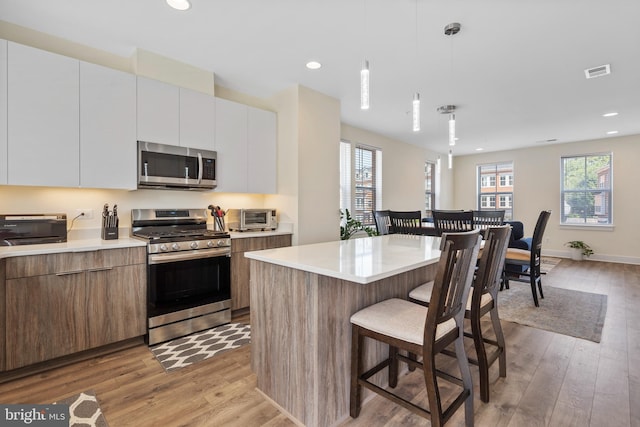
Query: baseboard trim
{"type": "Point", "coordinates": [620, 259]}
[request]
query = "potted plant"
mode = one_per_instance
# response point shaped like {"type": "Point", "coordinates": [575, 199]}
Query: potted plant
{"type": "Point", "coordinates": [579, 249]}
{"type": "Point", "coordinates": [350, 226]}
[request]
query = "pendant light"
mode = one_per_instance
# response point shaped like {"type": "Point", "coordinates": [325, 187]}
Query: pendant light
{"type": "Point", "coordinates": [364, 72]}
{"type": "Point", "coordinates": [415, 110]}
{"type": "Point", "coordinates": [450, 30]}
{"type": "Point", "coordinates": [364, 86]}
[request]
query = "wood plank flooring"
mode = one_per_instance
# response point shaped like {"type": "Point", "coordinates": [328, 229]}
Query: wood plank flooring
{"type": "Point", "coordinates": [552, 379]}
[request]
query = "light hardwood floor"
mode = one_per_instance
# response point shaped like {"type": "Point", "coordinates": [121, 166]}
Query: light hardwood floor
{"type": "Point", "coordinates": [552, 379]}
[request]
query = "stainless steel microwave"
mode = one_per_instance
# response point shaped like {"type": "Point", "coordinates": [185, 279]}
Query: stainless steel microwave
{"type": "Point", "coordinates": [251, 219]}
{"type": "Point", "coordinates": [172, 167]}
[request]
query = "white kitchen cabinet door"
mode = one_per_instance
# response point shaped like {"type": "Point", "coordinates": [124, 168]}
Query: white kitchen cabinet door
{"type": "Point", "coordinates": [197, 119]}
{"type": "Point", "coordinates": [261, 152]}
{"type": "Point", "coordinates": [108, 148]}
{"type": "Point", "coordinates": [231, 145]}
{"type": "Point", "coordinates": [3, 112]}
{"type": "Point", "coordinates": [43, 118]}
{"type": "Point", "coordinates": [158, 112]}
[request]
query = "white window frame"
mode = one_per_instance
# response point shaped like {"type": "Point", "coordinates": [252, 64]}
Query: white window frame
{"type": "Point", "coordinates": [348, 192]}
{"type": "Point", "coordinates": [567, 219]}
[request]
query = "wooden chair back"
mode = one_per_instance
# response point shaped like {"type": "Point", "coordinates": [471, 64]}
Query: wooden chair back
{"type": "Point", "coordinates": [406, 222]}
{"type": "Point", "coordinates": [459, 253]}
{"type": "Point", "coordinates": [383, 223]}
{"type": "Point", "coordinates": [452, 221]}
{"type": "Point", "coordinates": [486, 219]}
{"type": "Point", "coordinates": [491, 263]}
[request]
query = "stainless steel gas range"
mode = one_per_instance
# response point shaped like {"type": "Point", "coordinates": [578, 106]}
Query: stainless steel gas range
{"type": "Point", "coordinates": [188, 273]}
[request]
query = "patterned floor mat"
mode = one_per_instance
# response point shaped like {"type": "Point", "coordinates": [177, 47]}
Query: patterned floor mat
{"type": "Point", "coordinates": [193, 348]}
{"type": "Point", "coordinates": [84, 410]}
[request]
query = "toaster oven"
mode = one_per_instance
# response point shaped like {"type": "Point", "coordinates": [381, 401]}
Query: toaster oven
{"type": "Point", "coordinates": [251, 219]}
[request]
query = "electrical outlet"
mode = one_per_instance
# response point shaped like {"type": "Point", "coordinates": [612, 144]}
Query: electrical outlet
{"type": "Point", "coordinates": [88, 213]}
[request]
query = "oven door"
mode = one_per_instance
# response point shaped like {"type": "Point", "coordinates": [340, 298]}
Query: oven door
{"type": "Point", "coordinates": [184, 280]}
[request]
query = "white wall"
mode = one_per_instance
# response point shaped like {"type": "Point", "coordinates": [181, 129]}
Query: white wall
{"type": "Point", "coordinates": [402, 171]}
{"type": "Point", "coordinates": [537, 187]}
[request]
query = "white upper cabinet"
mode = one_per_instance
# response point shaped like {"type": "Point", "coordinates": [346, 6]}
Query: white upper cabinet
{"type": "Point", "coordinates": [158, 112]}
{"type": "Point", "coordinates": [246, 146]}
{"type": "Point", "coordinates": [108, 146]}
{"type": "Point", "coordinates": [231, 145]}
{"type": "Point", "coordinates": [3, 112]}
{"type": "Point", "coordinates": [43, 118]}
{"type": "Point", "coordinates": [197, 119]}
{"type": "Point", "coordinates": [261, 148]}
{"type": "Point", "coordinates": [171, 115]}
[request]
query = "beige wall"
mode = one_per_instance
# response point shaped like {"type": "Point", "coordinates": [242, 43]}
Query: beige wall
{"type": "Point", "coordinates": [537, 187]}
{"type": "Point", "coordinates": [403, 171]}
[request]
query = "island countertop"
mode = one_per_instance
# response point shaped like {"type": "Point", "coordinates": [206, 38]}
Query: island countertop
{"type": "Point", "coordinates": [363, 260]}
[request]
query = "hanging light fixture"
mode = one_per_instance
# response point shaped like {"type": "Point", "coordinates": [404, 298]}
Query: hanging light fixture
{"type": "Point", "coordinates": [416, 112]}
{"type": "Point", "coordinates": [364, 72]}
{"type": "Point", "coordinates": [449, 109]}
{"type": "Point", "coordinates": [450, 30]}
{"type": "Point", "coordinates": [364, 86]}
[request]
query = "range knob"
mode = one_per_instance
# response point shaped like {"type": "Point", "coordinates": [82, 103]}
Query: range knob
{"type": "Point", "coordinates": [175, 247]}
{"type": "Point", "coordinates": [194, 245]}
{"type": "Point", "coordinates": [221, 243]}
{"type": "Point", "coordinates": [210, 244]}
{"type": "Point", "coordinates": [164, 248]}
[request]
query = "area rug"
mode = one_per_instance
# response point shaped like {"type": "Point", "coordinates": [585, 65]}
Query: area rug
{"type": "Point", "coordinates": [84, 410]}
{"type": "Point", "coordinates": [568, 312]}
{"type": "Point", "coordinates": [196, 347]}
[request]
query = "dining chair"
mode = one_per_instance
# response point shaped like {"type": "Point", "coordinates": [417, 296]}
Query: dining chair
{"type": "Point", "coordinates": [383, 223]}
{"type": "Point", "coordinates": [406, 222]}
{"type": "Point", "coordinates": [452, 221]}
{"type": "Point", "coordinates": [486, 219]}
{"type": "Point", "coordinates": [482, 299]}
{"type": "Point", "coordinates": [521, 262]}
{"type": "Point", "coordinates": [416, 329]}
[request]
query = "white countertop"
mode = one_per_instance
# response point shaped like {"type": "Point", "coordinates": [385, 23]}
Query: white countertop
{"type": "Point", "coordinates": [363, 260]}
{"type": "Point", "coordinates": [75, 245]}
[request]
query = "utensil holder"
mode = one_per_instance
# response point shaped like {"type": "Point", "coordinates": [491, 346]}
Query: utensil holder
{"type": "Point", "coordinates": [109, 233]}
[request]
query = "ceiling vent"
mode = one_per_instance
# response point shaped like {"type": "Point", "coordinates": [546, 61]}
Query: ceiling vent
{"type": "Point", "coordinates": [594, 72]}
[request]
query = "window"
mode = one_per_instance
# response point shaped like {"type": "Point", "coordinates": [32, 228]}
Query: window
{"type": "Point", "coordinates": [586, 190]}
{"type": "Point", "coordinates": [429, 186]}
{"type": "Point", "coordinates": [362, 195]}
{"type": "Point", "coordinates": [496, 185]}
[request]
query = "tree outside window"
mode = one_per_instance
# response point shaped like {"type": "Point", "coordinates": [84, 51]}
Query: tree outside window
{"type": "Point", "coordinates": [586, 190]}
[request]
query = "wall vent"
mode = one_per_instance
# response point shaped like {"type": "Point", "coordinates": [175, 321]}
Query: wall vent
{"type": "Point", "coordinates": [594, 72]}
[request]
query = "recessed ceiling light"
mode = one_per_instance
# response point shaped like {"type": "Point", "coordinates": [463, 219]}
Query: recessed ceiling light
{"type": "Point", "coordinates": [479, 149]}
{"type": "Point", "coordinates": [613, 113]}
{"type": "Point", "coordinates": [179, 4]}
{"type": "Point", "coordinates": [313, 65]}
{"type": "Point", "coordinates": [612, 132]}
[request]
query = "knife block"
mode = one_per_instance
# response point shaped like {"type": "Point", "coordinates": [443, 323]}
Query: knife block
{"type": "Point", "coordinates": [109, 233]}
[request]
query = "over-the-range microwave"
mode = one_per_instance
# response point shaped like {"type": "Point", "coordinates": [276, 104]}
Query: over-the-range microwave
{"type": "Point", "coordinates": [172, 167]}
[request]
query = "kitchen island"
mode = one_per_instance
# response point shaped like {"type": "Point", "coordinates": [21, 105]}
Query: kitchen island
{"type": "Point", "coordinates": [301, 300]}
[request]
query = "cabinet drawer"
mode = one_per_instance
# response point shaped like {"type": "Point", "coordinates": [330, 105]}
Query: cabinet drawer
{"type": "Point", "coordinates": [39, 265]}
{"type": "Point", "coordinates": [258, 243]}
{"type": "Point", "coordinates": [70, 262]}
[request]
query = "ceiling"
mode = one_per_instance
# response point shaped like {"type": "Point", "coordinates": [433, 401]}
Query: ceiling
{"type": "Point", "coordinates": [515, 72]}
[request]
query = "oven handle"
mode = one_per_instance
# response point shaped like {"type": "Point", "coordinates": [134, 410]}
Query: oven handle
{"type": "Point", "coordinates": [188, 255]}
